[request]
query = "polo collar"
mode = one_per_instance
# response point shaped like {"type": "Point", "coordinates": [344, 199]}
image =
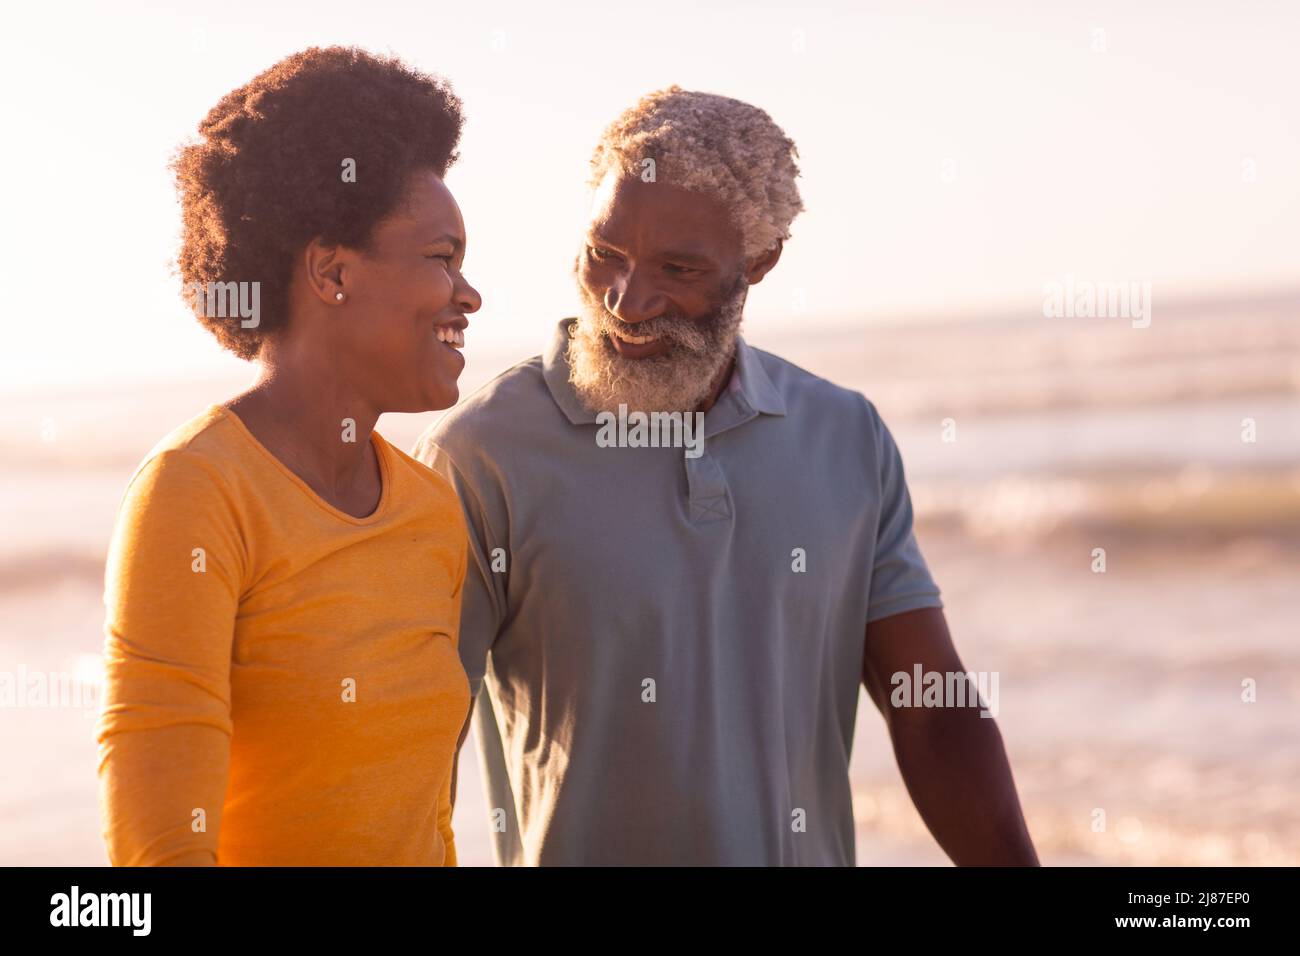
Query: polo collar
{"type": "Point", "coordinates": [755, 386]}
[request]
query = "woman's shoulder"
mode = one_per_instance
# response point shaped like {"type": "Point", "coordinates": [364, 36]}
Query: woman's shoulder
{"type": "Point", "coordinates": [181, 498]}
{"type": "Point", "coordinates": [195, 453]}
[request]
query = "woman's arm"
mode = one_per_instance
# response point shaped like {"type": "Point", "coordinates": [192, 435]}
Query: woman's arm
{"type": "Point", "coordinates": [172, 593]}
{"type": "Point", "coordinates": [444, 822]}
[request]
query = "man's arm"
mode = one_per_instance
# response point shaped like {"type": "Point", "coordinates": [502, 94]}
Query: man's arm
{"type": "Point", "coordinates": [951, 758]}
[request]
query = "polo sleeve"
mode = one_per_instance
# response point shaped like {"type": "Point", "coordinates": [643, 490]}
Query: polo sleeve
{"type": "Point", "coordinates": [483, 601]}
{"type": "Point", "coordinates": [900, 579]}
{"type": "Point", "coordinates": [172, 589]}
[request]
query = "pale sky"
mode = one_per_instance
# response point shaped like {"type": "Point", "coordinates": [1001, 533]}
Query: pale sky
{"type": "Point", "coordinates": [954, 159]}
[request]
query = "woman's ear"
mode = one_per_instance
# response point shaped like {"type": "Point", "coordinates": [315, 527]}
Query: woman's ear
{"type": "Point", "coordinates": [324, 271]}
{"type": "Point", "coordinates": [763, 263]}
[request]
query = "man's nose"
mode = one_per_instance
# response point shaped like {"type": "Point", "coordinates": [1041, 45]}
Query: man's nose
{"type": "Point", "coordinates": [632, 299]}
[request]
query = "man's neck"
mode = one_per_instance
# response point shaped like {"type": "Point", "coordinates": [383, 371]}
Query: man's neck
{"type": "Point", "coordinates": [720, 382]}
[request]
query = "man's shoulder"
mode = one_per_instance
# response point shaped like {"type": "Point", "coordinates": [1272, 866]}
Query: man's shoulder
{"type": "Point", "coordinates": [805, 392]}
{"type": "Point", "coordinates": [508, 401]}
{"type": "Point", "coordinates": [523, 382]}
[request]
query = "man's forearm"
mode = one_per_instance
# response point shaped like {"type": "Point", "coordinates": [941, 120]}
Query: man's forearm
{"type": "Point", "coordinates": [956, 770]}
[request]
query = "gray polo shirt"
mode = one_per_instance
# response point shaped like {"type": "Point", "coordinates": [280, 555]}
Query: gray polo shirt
{"type": "Point", "coordinates": [672, 645]}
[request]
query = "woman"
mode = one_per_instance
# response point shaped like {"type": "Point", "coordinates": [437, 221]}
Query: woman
{"type": "Point", "coordinates": [283, 587]}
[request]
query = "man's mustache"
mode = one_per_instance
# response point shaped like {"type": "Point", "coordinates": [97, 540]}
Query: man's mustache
{"type": "Point", "coordinates": [692, 334]}
{"type": "Point", "coordinates": [674, 328]}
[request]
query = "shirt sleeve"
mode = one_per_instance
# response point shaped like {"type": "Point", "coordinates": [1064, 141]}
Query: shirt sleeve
{"type": "Point", "coordinates": [483, 604]}
{"type": "Point", "coordinates": [483, 598]}
{"type": "Point", "coordinates": [444, 822]}
{"type": "Point", "coordinates": [172, 590]}
{"type": "Point", "coordinates": [900, 579]}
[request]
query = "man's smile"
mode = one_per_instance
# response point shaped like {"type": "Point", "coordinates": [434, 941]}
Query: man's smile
{"type": "Point", "coordinates": [637, 346]}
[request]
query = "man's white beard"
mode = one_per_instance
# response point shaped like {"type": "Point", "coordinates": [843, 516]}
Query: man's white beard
{"type": "Point", "coordinates": [677, 380]}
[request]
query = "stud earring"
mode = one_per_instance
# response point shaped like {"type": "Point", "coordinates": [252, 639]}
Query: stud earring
{"type": "Point", "coordinates": [339, 296]}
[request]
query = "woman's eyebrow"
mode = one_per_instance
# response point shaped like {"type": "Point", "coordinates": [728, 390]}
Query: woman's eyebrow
{"type": "Point", "coordinates": [457, 244]}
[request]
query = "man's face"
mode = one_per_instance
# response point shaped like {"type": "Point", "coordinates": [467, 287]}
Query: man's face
{"type": "Point", "coordinates": [662, 285]}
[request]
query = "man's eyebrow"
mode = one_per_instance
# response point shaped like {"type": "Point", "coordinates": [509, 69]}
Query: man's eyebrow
{"type": "Point", "coordinates": [680, 255]}
{"type": "Point", "coordinates": [691, 257]}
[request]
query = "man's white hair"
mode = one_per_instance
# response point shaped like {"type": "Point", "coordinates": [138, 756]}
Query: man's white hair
{"type": "Point", "coordinates": [713, 145]}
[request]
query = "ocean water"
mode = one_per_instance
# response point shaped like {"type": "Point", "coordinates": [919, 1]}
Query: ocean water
{"type": "Point", "coordinates": [1028, 444]}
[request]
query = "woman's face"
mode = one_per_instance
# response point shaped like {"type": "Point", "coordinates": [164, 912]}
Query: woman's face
{"type": "Point", "coordinates": [406, 304]}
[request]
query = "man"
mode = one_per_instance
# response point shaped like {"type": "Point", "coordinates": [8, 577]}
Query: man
{"type": "Point", "coordinates": [666, 643]}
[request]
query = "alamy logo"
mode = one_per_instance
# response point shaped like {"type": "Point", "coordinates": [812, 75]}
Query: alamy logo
{"type": "Point", "coordinates": [56, 690]}
{"type": "Point", "coordinates": [221, 300]}
{"type": "Point", "coordinates": [102, 909]}
{"type": "Point", "coordinates": [1098, 300]}
{"type": "Point", "coordinates": [653, 430]}
{"type": "Point", "coordinates": [946, 689]}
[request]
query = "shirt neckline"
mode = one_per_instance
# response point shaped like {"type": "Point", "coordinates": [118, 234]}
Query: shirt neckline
{"type": "Point", "coordinates": [381, 453]}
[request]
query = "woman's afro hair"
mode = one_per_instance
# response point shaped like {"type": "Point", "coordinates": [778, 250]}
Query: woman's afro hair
{"type": "Point", "coordinates": [267, 173]}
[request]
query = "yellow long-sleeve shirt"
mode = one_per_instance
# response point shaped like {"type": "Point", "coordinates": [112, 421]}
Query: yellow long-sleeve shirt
{"type": "Point", "coordinates": [282, 680]}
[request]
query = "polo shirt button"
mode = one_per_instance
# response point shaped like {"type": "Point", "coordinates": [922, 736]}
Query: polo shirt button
{"type": "Point", "coordinates": [707, 486]}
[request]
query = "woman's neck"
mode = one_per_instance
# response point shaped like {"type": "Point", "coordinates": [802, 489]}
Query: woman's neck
{"type": "Point", "coordinates": [318, 427]}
